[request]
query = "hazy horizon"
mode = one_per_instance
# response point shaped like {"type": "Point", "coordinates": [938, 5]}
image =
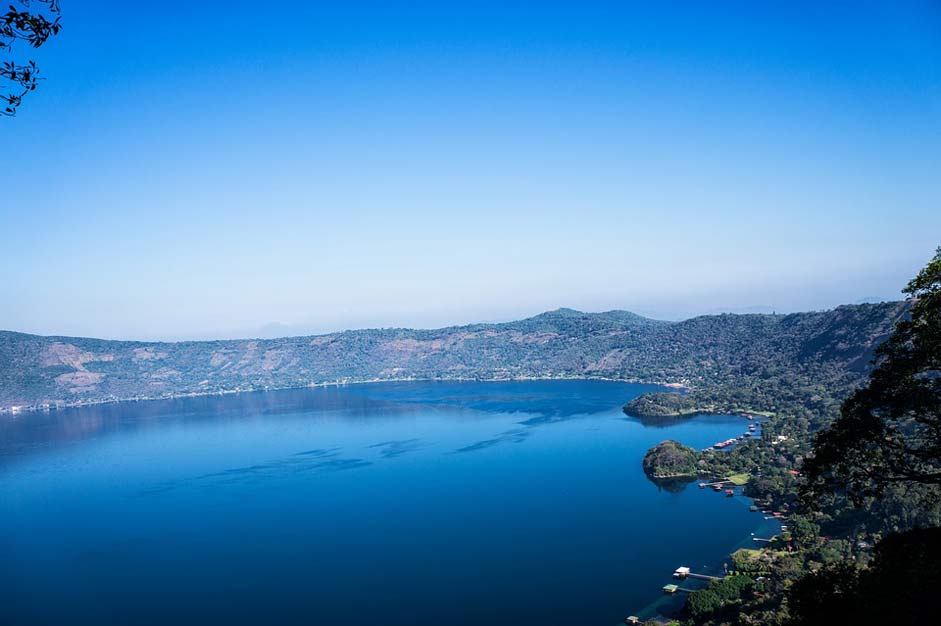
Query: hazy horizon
{"type": "Point", "coordinates": [278, 330]}
{"type": "Point", "coordinates": [427, 165]}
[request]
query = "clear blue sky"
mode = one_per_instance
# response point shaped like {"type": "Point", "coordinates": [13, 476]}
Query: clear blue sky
{"type": "Point", "coordinates": [195, 169]}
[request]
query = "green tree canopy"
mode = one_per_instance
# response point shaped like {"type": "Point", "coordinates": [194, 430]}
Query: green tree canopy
{"type": "Point", "coordinates": [890, 431]}
{"type": "Point", "coordinates": [890, 591]}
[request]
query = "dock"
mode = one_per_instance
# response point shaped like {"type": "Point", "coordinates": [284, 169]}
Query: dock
{"type": "Point", "coordinates": [717, 485]}
{"type": "Point", "coordinates": [682, 573]}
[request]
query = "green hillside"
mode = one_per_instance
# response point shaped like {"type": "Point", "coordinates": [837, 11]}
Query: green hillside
{"type": "Point", "coordinates": [734, 353]}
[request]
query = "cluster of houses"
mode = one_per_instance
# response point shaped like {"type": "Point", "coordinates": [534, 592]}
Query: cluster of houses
{"type": "Point", "coordinates": [729, 442]}
{"type": "Point", "coordinates": [17, 409]}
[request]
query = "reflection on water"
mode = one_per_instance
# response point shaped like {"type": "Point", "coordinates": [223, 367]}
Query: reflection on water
{"type": "Point", "coordinates": [27, 433]}
{"type": "Point", "coordinates": [671, 485]}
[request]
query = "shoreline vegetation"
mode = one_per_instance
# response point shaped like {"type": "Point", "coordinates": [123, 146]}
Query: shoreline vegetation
{"type": "Point", "coordinates": [660, 404]}
{"type": "Point", "coordinates": [847, 464]}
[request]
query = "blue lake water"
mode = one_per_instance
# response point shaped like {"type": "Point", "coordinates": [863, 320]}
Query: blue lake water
{"type": "Point", "coordinates": [401, 503]}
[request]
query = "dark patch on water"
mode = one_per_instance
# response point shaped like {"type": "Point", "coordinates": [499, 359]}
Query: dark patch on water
{"type": "Point", "coordinates": [310, 461]}
{"type": "Point", "coordinates": [396, 448]}
{"type": "Point", "coordinates": [518, 435]}
{"type": "Point", "coordinates": [317, 452]}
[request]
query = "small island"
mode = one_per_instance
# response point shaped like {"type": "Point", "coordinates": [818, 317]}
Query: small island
{"type": "Point", "coordinates": [671, 459]}
{"type": "Point", "coordinates": [662, 404]}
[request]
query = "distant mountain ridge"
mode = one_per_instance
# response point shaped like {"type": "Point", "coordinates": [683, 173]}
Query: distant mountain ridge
{"type": "Point", "coordinates": [702, 351]}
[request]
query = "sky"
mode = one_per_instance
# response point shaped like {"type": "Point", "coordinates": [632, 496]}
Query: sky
{"type": "Point", "coordinates": [218, 169]}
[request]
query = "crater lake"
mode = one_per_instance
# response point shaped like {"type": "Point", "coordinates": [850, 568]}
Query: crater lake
{"type": "Point", "coordinates": [396, 503]}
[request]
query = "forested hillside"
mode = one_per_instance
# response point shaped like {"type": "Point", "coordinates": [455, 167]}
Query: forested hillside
{"type": "Point", "coordinates": [732, 353]}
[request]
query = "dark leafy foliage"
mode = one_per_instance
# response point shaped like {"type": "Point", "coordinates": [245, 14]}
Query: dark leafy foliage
{"type": "Point", "coordinates": [32, 24]}
{"type": "Point", "coordinates": [890, 431]}
{"type": "Point", "coordinates": [894, 589]}
{"type": "Point", "coordinates": [862, 498]}
{"type": "Point", "coordinates": [880, 464]}
{"type": "Point", "coordinates": [720, 597]}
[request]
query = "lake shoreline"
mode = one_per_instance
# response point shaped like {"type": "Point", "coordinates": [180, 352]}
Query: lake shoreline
{"type": "Point", "coordinates": [48, 407]}
{"type": "Point", "coordinates": [424, 467]}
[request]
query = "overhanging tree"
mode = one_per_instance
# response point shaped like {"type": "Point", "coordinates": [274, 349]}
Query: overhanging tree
{"type": "Point", "coordinates": [890, 431]}
{"type": "Point", "coordinates": [32, 24]}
